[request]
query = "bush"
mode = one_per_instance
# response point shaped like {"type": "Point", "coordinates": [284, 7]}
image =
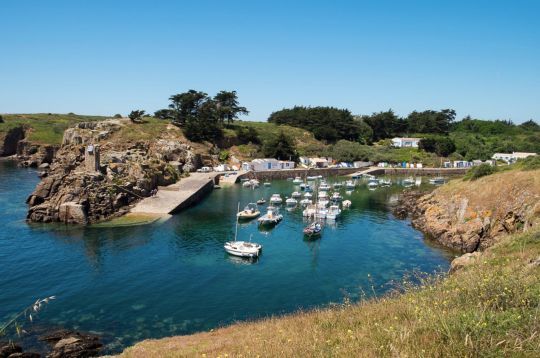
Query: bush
{"type": "Point", "coordinates": [117, 115]}
{"type": "Point", "coordinates": [480, 171]}
{"type": "Point", "coordinates": [530, 163]}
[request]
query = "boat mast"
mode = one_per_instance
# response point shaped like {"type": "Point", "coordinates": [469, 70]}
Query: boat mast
{"type": "Point", "coordinates": [236, 228]}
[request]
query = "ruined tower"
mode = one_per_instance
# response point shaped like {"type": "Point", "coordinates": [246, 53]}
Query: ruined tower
{"type": "Point", "coordinates": [91, 158]}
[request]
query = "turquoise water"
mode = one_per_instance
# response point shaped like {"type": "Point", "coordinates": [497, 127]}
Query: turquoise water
{"type": "Point", "coordinates": [170, 278]}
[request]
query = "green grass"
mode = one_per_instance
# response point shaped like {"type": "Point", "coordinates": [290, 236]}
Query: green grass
{"type": "Point", "coordinates": [43, 128]}
{"type": "Point", "coordinates": [490, 309]}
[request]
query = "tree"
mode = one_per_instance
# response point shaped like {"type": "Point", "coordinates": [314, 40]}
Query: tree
{"type": "Point", "coordinates": [136, 116]}
{"type": "Point", "coordinates": [247, 135]}
{"type": "Point", "coordinates": [282, 147]}
{"type": "Point", "coordinates": [164, 114]}
{"type": "Point", "coordinates": [430, 121]}
{"type": "Point", "coordinates": [530, 125]}
{"type": "Point", "coordinates": [385, 125]}
{"type": "Point", "coordinates": [203, 123]}
{"type": "Point", "coordinates": [326, 123]}
{"type": "Point", "coordinates": [228, 107]}
{"type": "Point", "coordinates": [442, 146]}
{"type": "Point", "coordinates": [186, 105]}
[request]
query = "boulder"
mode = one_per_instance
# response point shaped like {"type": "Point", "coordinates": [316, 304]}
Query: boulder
{"type": "Point", "coordinates": [68, 344]}
{"type": "Point", "coordinates": [7, 349]}
{"type": "Point", "coordinates": [462, 261]}
{"type": "Point", "coordinates": [72, 213]}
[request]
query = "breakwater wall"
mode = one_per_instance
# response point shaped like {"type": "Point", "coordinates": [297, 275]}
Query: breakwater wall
{"type": "Point", "coordinates": [291, 173]}
{"type": "Point", "coordinates": [422, 171]}
{"type": "Point", "coordinates": [194, 198]}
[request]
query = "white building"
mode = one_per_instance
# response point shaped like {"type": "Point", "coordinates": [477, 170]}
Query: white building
{"type": "Point", "coordinates": [511, 157]}
{"type": "Point", "coordinates": [406, 142]}
{"type": "Point", "coordinates": [319, 162]}
{"type": "Point", "coordinates": [268, 164]}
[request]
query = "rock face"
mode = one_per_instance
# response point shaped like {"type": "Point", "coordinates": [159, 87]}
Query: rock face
{"type": "Point", "coordinates": [470, 216]}
{"type": "Point", "coordinates": [8, 144]}
{"type": "Point", "coordinates": [127, 172]}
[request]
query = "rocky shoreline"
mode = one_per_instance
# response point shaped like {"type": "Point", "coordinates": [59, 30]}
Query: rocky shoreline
{"type": "Point", "coordinates": [472, 216]}
{"type": "Point", "coordinates": [97, 175]}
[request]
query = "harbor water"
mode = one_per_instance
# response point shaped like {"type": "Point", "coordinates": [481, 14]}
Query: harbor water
{"type": "Point", "coordinates": [170, 278]}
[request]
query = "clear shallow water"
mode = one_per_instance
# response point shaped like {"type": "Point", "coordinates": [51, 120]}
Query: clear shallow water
{"type": "Point", "coordinates": [133, 283]}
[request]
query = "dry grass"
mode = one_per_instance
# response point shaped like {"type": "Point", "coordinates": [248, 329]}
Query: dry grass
{"type": "Point", "coordinates": [487, 309]}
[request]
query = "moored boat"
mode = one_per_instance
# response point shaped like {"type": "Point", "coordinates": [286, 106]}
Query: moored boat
{"type": "Point", "coordinates": [437, 180]}
{"type": "Point", "coordinates": [291, 201]}
{"type": "Point", "coordinates": [333, 212]}
{"type": "Point", "coordinates": [276, 199]}
{"type": "Point", "coordinates": [297, 180]}
{"type": "Point", "coordinates": [313, 229]}
{"type": "Point", "coordinates": [250, 212]}
{"type": "Point", "coordinates": [271, 217]}
{"type": "Point", "coordinates": [242, 248]}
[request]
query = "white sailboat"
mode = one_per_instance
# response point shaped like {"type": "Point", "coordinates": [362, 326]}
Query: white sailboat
{"type": "Point", "coordinates": [242, 248]}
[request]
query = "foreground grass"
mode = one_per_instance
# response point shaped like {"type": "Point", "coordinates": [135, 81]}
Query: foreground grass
{"type": "Point", "coordinates": [47, 129]}
{"type": "Point", "coordinates": [489, 308]}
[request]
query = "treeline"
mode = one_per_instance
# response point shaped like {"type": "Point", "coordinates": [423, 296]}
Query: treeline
{"type": "Point", "coordinates": [202, 117]}
{"type": "Point", "coordinates": [468, 138]}
{"type": "Point", "coordinates": [333, 124]}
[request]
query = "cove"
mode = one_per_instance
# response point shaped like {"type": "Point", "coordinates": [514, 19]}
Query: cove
{"type": "Point", "coordinates": [170, 278]}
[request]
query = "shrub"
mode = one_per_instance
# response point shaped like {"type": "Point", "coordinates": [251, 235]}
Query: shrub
{"type": "Point", "coordinates": [530, 163]}
{"type": "Point", "coordinates": [117, 115]}
{"type": "Point", "coordinates": [480, 171]}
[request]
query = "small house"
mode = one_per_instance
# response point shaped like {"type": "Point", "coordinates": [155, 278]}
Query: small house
{"type": "Point", "coordinates": [405, 142]}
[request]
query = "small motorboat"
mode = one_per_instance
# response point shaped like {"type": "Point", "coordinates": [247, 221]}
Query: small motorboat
{"type": "Point", "coordinates": [333, 212]}
{"type": "Point", "coordinates": [297, 180]}
{"type": "Point", "coordinates": [373, 183]}
{"type": "Point", "coordinates": [313, 229]}
{"type": "Point", "coordinates": [271, 217]}
{"type": "Point", "coordinates": [261, 201]}
{"type": "Point", "coordinates": [324, 186]}
{"type": "Point", "coordinates": [291, 202]}
{"type": "Point", "coordinates": [338, 185]}
{"type": "Point", "coordinates": [308, 188]}
{"type": "Point", "coordinates": [409, 181]}
{"type": "Point", "coordinates": [308, 195]}
{"type": "Point", "coordinates": [437, 180]}
{"type": "Point", "coordinates": [346, 203]}
{"type": "Point", "coordinates": [349, 184]}
{"type": "Point", "coordinates": [312, 178]}
{"type": "Point", "coordinates": [250, 212]}
{"type": "Point", "coordinates": [266, 183]}
{"type": "Point", "coordinates": [276, 199]}
{"type": "Point", "coordinates": [306, 202]}
{"type": "Point", "coordinates": [336, 196]}
{"type": "Point", "coordinates": [296, 194]}
{"type": "Point", "coordinates": [385, 182]}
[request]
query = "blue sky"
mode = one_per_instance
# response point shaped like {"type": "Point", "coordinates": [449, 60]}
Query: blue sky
{"type": "Point", "coordinates": [104, 57]}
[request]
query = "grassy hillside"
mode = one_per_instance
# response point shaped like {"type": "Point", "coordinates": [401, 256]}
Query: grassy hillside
{"type": "Point", "coordinates": [44, 128]}
{"type": "Point", "coordinates": [490, 308]}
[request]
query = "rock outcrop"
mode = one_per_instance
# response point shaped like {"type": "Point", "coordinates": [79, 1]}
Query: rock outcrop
{"type": "Point", "coordinates": [75, 192]}
{"type": "Point", "coordinates": [10, 141]}
{"type": "Point", "coordinates": [471, 216]}
{"type": "Point", "coordinates": [69, 344]}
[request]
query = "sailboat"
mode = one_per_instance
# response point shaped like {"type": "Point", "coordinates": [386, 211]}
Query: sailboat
{"type": "Point", "coordinates": [242, 248]}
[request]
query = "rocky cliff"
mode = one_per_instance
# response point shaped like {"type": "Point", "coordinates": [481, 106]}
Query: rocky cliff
{"type": "Point", "coordinates": [471, 215]}
{"type": "Point", "coordinates": [127, 169]}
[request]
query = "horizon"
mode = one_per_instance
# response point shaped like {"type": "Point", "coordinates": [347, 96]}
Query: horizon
{"type": "Point", "coordinates": [102, 58]}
